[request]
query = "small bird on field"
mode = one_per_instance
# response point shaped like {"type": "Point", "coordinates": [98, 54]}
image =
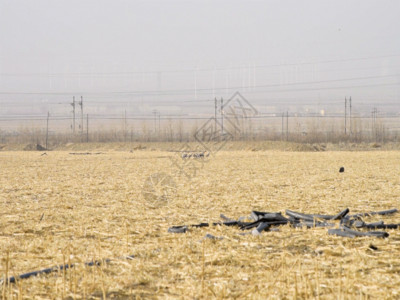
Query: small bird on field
{"type": "Point", "coordinates": [341, 170]}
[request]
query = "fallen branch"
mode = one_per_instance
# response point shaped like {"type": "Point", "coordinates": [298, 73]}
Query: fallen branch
{"type": "Point", "coordinates": [312, 224]}
{"type": "Point", "coordinates": [347, 232]}
{"type": "Point", "coordinates": [381, 226]}
{"type": "Point", "coordinates": [340, 232]}
{"type": "Point", "coordinates": [311, 217]}
{"type": "Point", "coordinates": [382, 212]}
{"type": "Point", "coordinates": [14, 279]}
{"type": "Point", "coordinates": [85, 153]}
{"type": "Point", "coordinates": [263, 221]}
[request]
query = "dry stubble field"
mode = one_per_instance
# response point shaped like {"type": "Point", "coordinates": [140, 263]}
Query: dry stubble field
{"type": "Point", "coordinates": [64, 208]}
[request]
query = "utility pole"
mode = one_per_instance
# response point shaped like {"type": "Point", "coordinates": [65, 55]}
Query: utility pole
{"type": "Point", "coordinates": [373, 117]}
{"type": "Point", "coordinates": [345, 115]}
{"type": "Point", "coordinates": [125, 126]}
{"type": "Point", "coordinates": [283, 117]}
{"type": "Point", "coordinates": [155, 121]}
{"type": "Point", "coordinates": [159, 123]}
{"type": "Point", "coordinates": [73, 114]}
{"type": "Point", "coordinates": [376, 123]}
{"type": "Point", "coordinates": [81, 105]}
{"type": "Point", "coordinates": [222, 116]}
{"type": "Point", "coordinates": [215, 115]}
{"type": "Point", "coordinates": [87, 128]}
{"type": "Point", "coordinates": [131, 135]}
{"type": "Point", "coordinates": [287, 125]}
{"type": "Point", "coordinates": [351, 130]}
{"type": "Point", "coordinates": [47, 129]}
{"type": "Point", "coordinates": [374, 120]}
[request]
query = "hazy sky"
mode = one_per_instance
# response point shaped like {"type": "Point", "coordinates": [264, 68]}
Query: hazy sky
{"type": "Point", "coordinates": [171, 52]}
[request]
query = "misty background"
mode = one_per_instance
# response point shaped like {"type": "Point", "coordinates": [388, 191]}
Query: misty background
{"type": "Point", "coordinates": [171, 59]}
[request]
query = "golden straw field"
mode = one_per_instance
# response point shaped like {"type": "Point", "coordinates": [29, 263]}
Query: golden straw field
{"type": "Point", "coordinates": [61, 208]}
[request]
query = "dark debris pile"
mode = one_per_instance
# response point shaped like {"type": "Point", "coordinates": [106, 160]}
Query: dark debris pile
{"type": "Point", "coordinates": [349, 226]}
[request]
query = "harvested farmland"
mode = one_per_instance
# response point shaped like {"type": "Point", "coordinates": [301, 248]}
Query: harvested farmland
{"type": "Point", "coordinates": [91, 212]}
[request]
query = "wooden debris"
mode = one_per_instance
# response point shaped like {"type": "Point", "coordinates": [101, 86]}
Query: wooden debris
{"type": "Point", "coordinates": [14, 279]}
{"type": "Point", "coordinates": [263, 221]}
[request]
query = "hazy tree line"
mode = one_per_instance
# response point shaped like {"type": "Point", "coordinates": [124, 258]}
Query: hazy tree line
{"type": "Point", "coordinates": [275, 128]}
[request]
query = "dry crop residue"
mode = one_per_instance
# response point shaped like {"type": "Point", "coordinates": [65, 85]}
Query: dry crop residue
{"type": "Point", "coordinates": [63, 208]}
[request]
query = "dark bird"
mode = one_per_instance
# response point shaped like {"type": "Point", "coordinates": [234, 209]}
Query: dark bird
{"type": "Point", "coordinates": [341, 170]}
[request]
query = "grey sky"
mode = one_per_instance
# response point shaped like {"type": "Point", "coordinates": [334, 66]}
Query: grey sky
{"type": "Point", "coordinates": [97, 47]}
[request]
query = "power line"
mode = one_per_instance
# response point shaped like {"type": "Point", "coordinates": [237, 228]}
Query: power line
{"type": "Point", "coordinates": [210, 90]}
{"type": "Point", "coordinates": [152, 118]}
{"type": "Point", "coordinates": [265, 101]}
{"type": "Point", "coordinates": [261, 66]}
